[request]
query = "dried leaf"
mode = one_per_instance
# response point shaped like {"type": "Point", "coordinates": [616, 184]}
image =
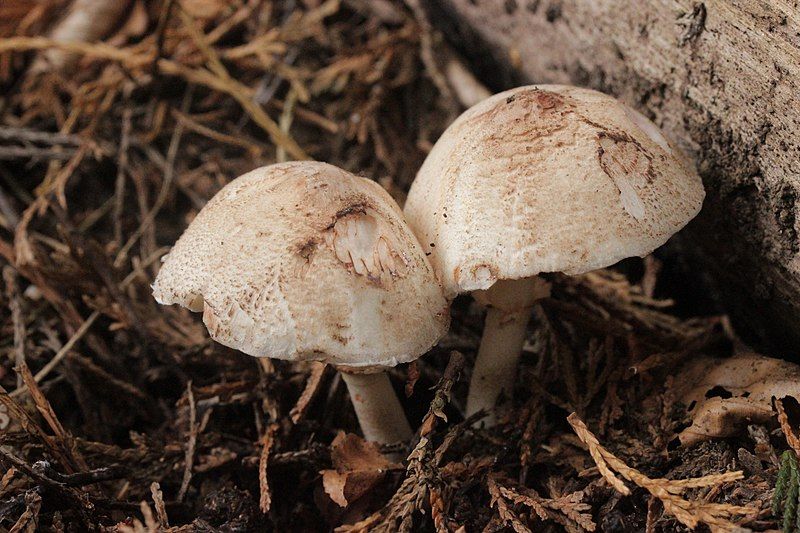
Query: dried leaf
{"type": "Point", "coordinates": [359, 466]}
{"type": "Point", "coordinates": [788, 431]}
{"type": "Point", "coordinates": [725, 395]}
{"type": "Point", "coordinates": [411, 380]}
{"type": "Point", "coordinates": [29, 521]}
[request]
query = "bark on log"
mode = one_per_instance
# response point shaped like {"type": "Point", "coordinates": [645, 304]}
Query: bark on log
{"type": "Point", "coordinates": [721, 77]}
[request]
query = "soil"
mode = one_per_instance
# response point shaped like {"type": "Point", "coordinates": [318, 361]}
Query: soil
{"type": "Point", "coordinates": [140, 423]}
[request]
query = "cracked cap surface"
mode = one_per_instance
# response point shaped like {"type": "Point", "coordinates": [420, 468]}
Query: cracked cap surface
{"type": "Point", "coordinates": [305, 261]}
{"type": "Point", "coordinates": [547, 178]}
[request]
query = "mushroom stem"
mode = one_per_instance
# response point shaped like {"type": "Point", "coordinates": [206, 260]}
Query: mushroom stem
{"type": "Point", "coordinates": [510, 303]}
{"type": "Point", "coordinates": [378, 410]}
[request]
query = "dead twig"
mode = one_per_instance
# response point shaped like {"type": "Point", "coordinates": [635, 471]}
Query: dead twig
{"type": "Point", "coordinates": [688, 513]}
{"type": "Point", "coordinates": [267, 441]}
{"type": "Point", "coordinates": [191, 443]}
{"type": "Point", "coordinates": [15, 306]}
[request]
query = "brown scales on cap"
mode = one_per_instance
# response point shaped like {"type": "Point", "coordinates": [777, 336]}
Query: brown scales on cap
{"type": "Point", "coordinates": [307, 261]}
{"type": "Point", "coordinates": [542, 179]}
{"type": "Point", "coordinates": [548, 179]}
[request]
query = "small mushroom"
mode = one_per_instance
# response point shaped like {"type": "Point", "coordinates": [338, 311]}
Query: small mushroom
{"type": "Point", "coordinates": [539, 179]}
{"type": "Point", "coordinates": [304, 261]}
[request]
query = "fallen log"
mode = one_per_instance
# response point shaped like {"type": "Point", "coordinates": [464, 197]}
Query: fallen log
{"type": "Point", "coordinates": [720, 77]}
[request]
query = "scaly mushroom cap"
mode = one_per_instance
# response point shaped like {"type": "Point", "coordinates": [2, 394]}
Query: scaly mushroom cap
{"type": "Point", "coordinates": [306, 261]}
{"type": "Point", "coordinates": [547, 178]}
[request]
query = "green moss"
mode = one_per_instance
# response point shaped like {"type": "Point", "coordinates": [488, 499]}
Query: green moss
{"type": "Point", "coordinates": [787, 491]}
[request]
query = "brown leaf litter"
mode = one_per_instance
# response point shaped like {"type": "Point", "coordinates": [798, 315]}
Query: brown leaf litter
{"type": "Point", "coordinates": [358, 467]}
{"type": "Point", "coordinates": [120, 415]}
{"type": "Point", "coordinates": [724, 395]}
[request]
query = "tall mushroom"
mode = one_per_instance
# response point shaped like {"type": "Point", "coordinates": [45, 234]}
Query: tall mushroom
{"type": "Point", "coordinates": [304, 261]}
{"type": "Point", "coordinates": [539, 179]}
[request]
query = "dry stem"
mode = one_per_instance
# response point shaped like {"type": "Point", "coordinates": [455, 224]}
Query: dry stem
{"type": "Point", "coordinates": [689, 513]}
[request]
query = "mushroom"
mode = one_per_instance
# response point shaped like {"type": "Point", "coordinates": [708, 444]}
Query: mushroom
{"type": "Point", "coordinates": [537, 179]}
{"type": "Point", "coordinates": [305, 261]}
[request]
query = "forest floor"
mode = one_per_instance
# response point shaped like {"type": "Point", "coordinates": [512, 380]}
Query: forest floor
{"type": "Point", "coordinates": [121, 414]}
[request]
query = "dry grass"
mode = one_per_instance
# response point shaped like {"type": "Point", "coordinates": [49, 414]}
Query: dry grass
{"type": "Point", "coordinates": [131, 419]}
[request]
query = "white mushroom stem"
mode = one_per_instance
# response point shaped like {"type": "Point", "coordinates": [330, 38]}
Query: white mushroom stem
{"type": "Point", "coordinates": [510, 303]}
{"type": "Point", "coordinates": [494, 370]}
{"type": "Point", "coordinates": [378, 410]}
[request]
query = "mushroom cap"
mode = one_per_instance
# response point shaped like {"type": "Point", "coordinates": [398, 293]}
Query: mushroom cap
{"type": "Point", "coordinates": [547, 178]}
{"type": "Point", "coordinates": [305, 261]}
